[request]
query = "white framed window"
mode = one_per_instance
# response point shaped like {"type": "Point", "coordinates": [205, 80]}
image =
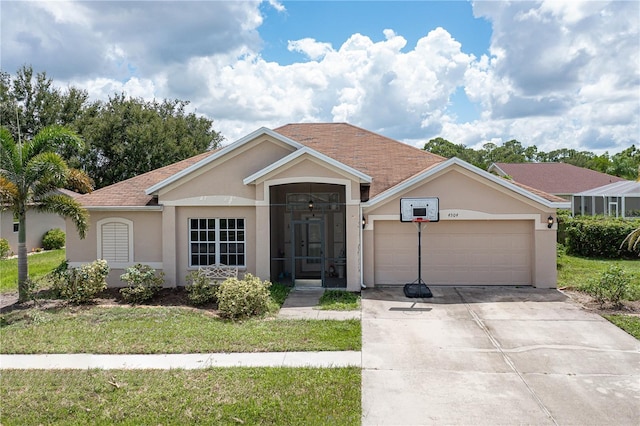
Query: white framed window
{"type": "Point", "coordinates": [217, 240]}
{"type": "Point", "coordinates": [115, 241]}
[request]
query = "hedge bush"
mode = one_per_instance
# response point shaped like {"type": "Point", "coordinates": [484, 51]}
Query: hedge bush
{"type": "Point", "coordinates": [4, 248]}
{"type": "Point", "coordinates": [53, 239]}
{"type": "Point", "coordinates": [238, 299]}
{"type": "Point", "coordinates": [598, 236]}
{"type": "Point", "coordinates": [82, 284]}
{"type": "Point", "coordinates": [612, 286]}
{"type": "Point", "coordinates": [142, 283]}
{"type": "Point", "coordinates": [200, 290]}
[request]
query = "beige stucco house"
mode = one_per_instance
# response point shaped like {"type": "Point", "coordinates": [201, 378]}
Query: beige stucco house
{"type": "Point", "coordinates": [318, 204]}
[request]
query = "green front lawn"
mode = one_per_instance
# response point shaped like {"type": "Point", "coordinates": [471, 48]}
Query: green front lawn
{"type": "Point", "coordinates": [40, 264]}
{"type": "Point", "coordinates": [339, 300]}
{"type": "Point", "coordinates": [143, 329]}
{"type": "Point", "coordinates": [575, 272]}
{"type": "Point", "coordinates": [221, 396]}
{"type": "Point", "coordinates": [629, 323]}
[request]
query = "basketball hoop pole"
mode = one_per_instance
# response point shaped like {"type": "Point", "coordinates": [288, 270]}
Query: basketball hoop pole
{"type": "Point", "coordinates": [420, 255]}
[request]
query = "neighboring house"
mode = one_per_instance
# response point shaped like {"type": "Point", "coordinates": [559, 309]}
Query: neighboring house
{"type": "Point", "coordinates": [560, 179]}
{"type": "Point", "coordinates": [37, 225]}
{"type": "Point", "coordinates": [319, 204]}
{"type": "Point", "coordinates": [619, 199]}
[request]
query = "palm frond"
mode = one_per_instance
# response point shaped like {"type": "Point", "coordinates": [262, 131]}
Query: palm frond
{"type": "Point", "coordinates": [55, 139]}
{"type": "Point", "coordinates": [10, 159]}
{"type": "Point", "coordinates": [45, 172]}
{"type": "Point", "coordinates": [66, 207]}
{"type": "Point", "coordinates": [79, 181]}
{"type": "Point", "coordinates": [8, 191]}
{"type": "Point", "coordinates": [632, 241]}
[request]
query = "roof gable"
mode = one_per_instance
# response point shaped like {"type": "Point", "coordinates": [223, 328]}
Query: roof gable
{"type": "Point", "coordinates": [220, 153]}
{"type": "Point", "coordinates": [388, 162]}
{"type": "Point", "coordinates": [302, 152]}
{"type": "Point", "coordinates": [537, 196]}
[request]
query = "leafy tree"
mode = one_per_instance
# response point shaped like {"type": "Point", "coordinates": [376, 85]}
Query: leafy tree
{"type": "Point", "coordinates": [626, 163]}
{"type": "Point", "coordinates": [30, 172]}
{"type": "Point", "coordinates": [29, 102]}
{"type": "Point", "coordinates": [127, 136]}
{"type": "Point", "coordinates": [448, 149]}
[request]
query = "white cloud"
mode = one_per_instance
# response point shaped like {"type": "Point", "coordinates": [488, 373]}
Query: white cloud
{"type": "Point", "coordinates": [558, 74]}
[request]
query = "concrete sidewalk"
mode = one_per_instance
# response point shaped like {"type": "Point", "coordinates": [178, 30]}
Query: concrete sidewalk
{"type": "Point", "coordinates": [182, 361]}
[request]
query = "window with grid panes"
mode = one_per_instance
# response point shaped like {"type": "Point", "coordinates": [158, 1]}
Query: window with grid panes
{"type": "Point", "coordinates": [214, 240]}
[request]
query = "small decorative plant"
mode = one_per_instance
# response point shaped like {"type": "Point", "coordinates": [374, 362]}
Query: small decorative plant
{"type": "Point", "coordinates": [611, 287]}
{"type": "Point", "coordinates": [82, 284]}
{"type": "Point", "coordinates": [201, 290]}
{"type": "Point", "coordinates": [238, 299]}
{"type": "Point", "coordinates": [53, 239]}
{"type": "Point", "coordinates": [142, 283]}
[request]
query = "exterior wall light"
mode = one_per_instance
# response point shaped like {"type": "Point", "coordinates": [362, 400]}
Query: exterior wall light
{"type": "Point", "coordinates": [550, 222]}
{"type": "Point", "coordinates": [364, 222]}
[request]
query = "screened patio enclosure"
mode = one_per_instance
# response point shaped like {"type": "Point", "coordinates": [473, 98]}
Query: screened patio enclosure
{"type": "Point", "coordinates": [618, 199]}
{"type": "Point", "coordinates": [307, 234]}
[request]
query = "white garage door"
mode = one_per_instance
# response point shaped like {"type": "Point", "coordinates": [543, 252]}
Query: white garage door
{"type": "Point", "coordinates": [455, 252]}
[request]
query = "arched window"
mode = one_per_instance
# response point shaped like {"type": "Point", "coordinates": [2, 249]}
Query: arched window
{"type": "Point", "coordinates": [115, 241]}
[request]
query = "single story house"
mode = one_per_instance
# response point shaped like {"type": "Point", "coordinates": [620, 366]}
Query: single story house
{"type": "Point", "coordinates": [319, 204]}
{"type": "Point", "coordinates": [619, 199]}
{"type": "Point", "coordinates": [560, 179]}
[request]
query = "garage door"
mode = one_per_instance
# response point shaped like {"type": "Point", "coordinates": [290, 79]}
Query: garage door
{"type": "Point", "coordinates": [455, 252]}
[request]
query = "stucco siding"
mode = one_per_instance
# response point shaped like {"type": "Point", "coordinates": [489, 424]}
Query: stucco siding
{"type": "Point", "coordinates": [224, 176]}
{"type": "Point", "coordinates": [37, 225]}
{"type": "Point", "coordinates": [147, 241]}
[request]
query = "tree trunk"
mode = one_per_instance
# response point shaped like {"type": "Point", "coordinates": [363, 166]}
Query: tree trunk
{"type": "Point", "coordinates": [23, 266]}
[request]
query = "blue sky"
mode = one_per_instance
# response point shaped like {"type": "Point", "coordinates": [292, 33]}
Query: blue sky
{"type": "Point", "coordinates": [551, 73]}
{"type": "Point", "coordinates": [336, 21]}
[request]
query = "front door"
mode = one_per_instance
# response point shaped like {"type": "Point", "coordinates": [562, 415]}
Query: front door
{"type": "Point", "coordinates": [308, 248]}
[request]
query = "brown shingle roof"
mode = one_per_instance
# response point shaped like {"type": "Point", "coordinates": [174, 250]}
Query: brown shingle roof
{"type": "Point", "coordinates": [556, 178]}
{"type": "Point", "coordinates": [131, 192]}
{"type": "Point", "coordinates": [387, 161]}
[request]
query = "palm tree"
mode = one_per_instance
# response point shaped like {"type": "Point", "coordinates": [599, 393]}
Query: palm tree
{"type": "Point", "coordinates": [30, 172]}
{"type": "Point", "coordinates": [632, 241]}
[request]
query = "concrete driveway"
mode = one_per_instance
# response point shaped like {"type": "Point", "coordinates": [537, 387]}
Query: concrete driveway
{"type": "Point", "coordinates": [494, 356]}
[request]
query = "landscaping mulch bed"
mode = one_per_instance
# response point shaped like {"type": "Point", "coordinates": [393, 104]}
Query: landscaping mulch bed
{"type": "Point", "coordinates": [588, 303]}
{"type": "Point", "coordinates": [110, 297]}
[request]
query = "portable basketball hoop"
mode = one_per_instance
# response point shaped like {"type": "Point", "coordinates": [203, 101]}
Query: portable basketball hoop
{"type": "Point", "coordinates": [419, 211]}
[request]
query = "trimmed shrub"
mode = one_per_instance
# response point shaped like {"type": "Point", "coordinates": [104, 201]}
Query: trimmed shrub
{"type": "Point", "coordinates": [143, 283]}
{"type": "Point", "coordinates": [611, 287]}
{"type": "Point", "coordinates": [82, 284]}
{"type": "Point", "coordinates": [53, 239]}
{"type": "Point", "coordinates": [4, 248]}
{"type": "Point", "coordinates": [201, 290]}
{"type": "Point", "coordinates": [244, 298]}
{"type": "Point", "coordinates": [598, 237]}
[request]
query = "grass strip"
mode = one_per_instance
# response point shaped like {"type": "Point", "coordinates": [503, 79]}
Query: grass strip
{"type": "Point", "coordinates": [339, 300]}
{"type": "Point", "coordinates": [629, 323]}
{"type": "Point", "coordinates": [149, 330]}
{"type": "Point", "coordinates": [229, 396]}
{"type": "Point", "coordinates": [40, 264]}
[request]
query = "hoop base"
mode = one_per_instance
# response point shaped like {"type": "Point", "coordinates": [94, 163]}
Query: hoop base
{"type": "Point", "coordinates": [417, 290]}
